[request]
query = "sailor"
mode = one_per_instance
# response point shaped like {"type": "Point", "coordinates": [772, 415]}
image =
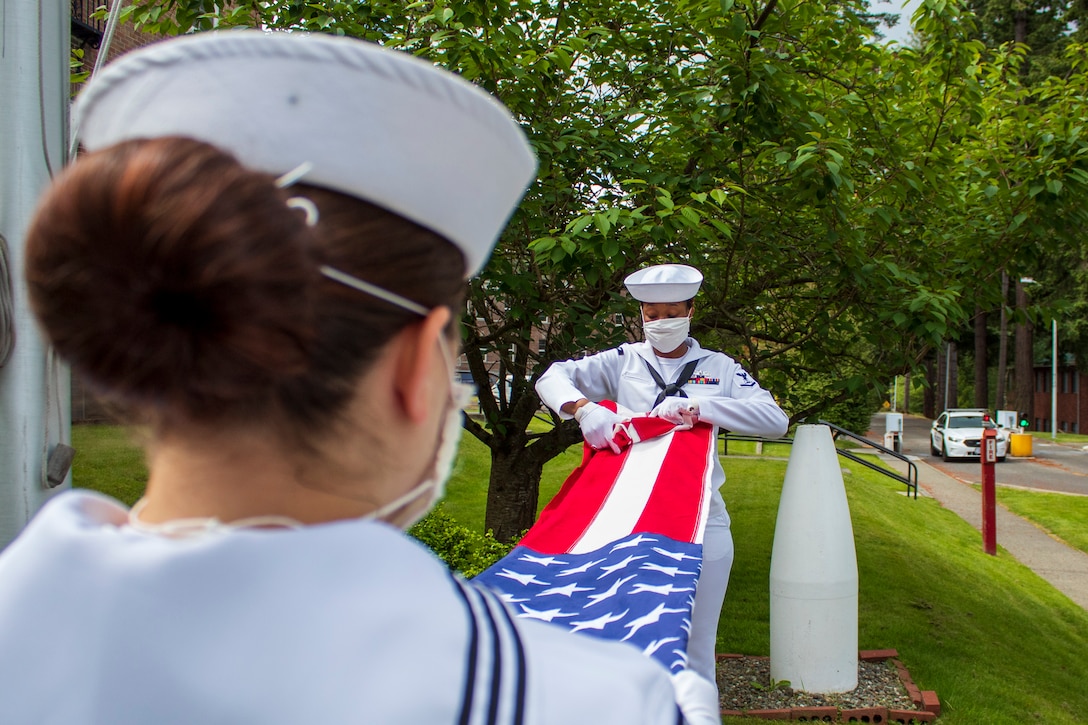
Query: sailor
{"type": "Point", "coordinates": [261, 258]}
{"type": "Point", "coordinates": [670, 375]}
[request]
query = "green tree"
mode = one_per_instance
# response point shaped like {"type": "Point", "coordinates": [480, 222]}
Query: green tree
{"type": "Point", "coordinates": [1047, 28]}
{"type": "Point", "coordinates": [832, 190]}
{"type": "Point", "coordinates": [1045, 31]}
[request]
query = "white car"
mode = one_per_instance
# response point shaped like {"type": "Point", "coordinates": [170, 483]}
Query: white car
{"type": "Point", "coordinates": [957, 433]}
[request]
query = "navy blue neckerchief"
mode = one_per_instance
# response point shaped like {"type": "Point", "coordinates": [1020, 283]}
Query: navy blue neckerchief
{"type": "Point", "coordinates": [675, 387]}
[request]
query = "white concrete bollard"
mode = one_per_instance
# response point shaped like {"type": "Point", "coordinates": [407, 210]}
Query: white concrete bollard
{"type": "Point", "coordinates": [814, 572]}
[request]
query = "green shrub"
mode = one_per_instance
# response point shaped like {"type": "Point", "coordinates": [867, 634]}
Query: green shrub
{"type": "Point", "coordinates": [463, 550]}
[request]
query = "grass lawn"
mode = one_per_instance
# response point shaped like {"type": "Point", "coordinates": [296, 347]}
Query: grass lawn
{"type": "Point", "coordinates": [1062, 515]}
{"type": "Point", "coordinates": [108, 459]}
{"type": "Point", "coordinates": [997, 643]}
{"type": "Point", "coordinates": [1078, 439]}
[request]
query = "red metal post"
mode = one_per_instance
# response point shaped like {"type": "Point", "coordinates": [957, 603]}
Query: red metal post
{"type": "Point", "coordinates": [989, 495]}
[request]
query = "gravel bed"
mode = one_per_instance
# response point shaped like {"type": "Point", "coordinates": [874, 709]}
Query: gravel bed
{"type": "Point", "coordinates": [744, 683]}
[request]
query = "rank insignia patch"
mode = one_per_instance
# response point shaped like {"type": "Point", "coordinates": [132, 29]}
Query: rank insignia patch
{"type": "Point", "coordinates": [745, 379]}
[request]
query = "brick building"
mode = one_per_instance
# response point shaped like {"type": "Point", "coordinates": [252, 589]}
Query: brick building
{"type": "Point", "coordinates": [1071, 398]}
{"type": "Point", "coordinates": [87, 34]}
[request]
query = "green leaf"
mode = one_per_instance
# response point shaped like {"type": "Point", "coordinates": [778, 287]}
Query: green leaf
{"type": "Point", "coordinates": [737, 26]}
{"type": "Point", "coordinates": [800, 160]}
{"type": "Point", "coordinates": [541, 245]}
{"type": "Point", "coordinates": [691, 215]}
{"type": "Point", "coordinates": [579, 224]}
{"type": "Point", "coordinates": [602, 223]}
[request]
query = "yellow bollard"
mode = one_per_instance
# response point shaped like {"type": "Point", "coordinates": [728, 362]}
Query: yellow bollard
{"type": "Point", "coordinates": [1020, 444]}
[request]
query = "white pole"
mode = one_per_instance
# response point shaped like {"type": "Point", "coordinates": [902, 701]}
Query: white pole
{"type": "Point", "coordinates": [895, 394]}
{"type": "Point", "coordinates": [1054, 378]}
{"type": "Point", "coordinates": [34, 389]}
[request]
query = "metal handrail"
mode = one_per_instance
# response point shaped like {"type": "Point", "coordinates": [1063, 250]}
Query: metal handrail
{"type": "Point", "coordinates": [85, 28]}
{"type": "Point", "coordinates": [910, 480]}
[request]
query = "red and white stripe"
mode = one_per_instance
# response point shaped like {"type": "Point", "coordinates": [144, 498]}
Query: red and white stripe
{"type": "Point", "coordinates": [659, 486]}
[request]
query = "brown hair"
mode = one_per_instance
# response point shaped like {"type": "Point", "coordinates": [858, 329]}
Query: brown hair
{"type": "Point", "coordinates": [181, 286]}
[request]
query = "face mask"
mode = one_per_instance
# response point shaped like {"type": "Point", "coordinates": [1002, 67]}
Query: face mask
{"type": "Point", "coordinates": [434, 484]}
{"type": "Point", "coordinates": [668, 334]}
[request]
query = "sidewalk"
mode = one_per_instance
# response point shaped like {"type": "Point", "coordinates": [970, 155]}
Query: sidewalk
{"type": "Point", "coordinates": [1063, 566]}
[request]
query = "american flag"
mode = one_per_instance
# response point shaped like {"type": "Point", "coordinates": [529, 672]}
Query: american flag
{"type": "Point", "coordinates": [616, 554]}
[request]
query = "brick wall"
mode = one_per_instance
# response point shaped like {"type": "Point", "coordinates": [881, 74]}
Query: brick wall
{"type": "Point", "coordinates": [125, 37]}
{"type": "Point", "coordinates": [1072, 400]}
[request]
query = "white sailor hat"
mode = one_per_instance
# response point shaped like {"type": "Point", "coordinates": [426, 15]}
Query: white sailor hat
{"type": "Point", "coordinates": [664, 283]}
{"type": "Point", "coordinates": [376, 124]}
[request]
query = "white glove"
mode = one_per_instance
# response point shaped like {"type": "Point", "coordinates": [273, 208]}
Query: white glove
{"type": "Point", "coordinates": [598, 424]}
{"type": "Point", "coordinates": [697, 698]}
{"type": "Point", "coordinates": [683, 412]}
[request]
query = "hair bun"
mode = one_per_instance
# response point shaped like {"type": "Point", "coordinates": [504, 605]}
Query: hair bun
{"type": "Point", "coordinates": [170, 275]}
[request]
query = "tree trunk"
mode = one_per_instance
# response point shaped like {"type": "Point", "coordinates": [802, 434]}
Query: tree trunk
{"type": "Point", "coordinates": [1024, 372]}
{"type": "Point", "coordinates": [929, 392]}
{"type": "Point", "coordinates": [906, 393]}
{"type": "Point", "coordinates": [1003, 345]}
{"type": "Point", "coordinates": [513, 488]}
{"type": "Point", "coordinates": [982, 378]}
{"type": "Point", "coordinates": [952, 359]}
{"type": "Point", "coordinates": [1020, 26]}
{"type": "Point", "coordinates": [944, 390]}
{"type": "Point", "coordinates": [512, 494]}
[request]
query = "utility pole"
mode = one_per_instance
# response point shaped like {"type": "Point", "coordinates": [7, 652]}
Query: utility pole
{"type": "Point", "coordinates": [1054, 378]}
{"type": "Point", "coordinates": [34, 386]}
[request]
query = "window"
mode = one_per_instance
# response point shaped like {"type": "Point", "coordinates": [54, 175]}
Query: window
{"type": "Point", "coordinates": [968, 421]}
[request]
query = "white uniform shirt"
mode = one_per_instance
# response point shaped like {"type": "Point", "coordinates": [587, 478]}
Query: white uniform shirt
{"type": "Point", "coordinates": [727, 395]}
{"type": "Point", "coordinates": [347, 622]}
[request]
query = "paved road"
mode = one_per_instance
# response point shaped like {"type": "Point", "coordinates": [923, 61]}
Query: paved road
{"type": "Point", "coordinates": [1052, 467]}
